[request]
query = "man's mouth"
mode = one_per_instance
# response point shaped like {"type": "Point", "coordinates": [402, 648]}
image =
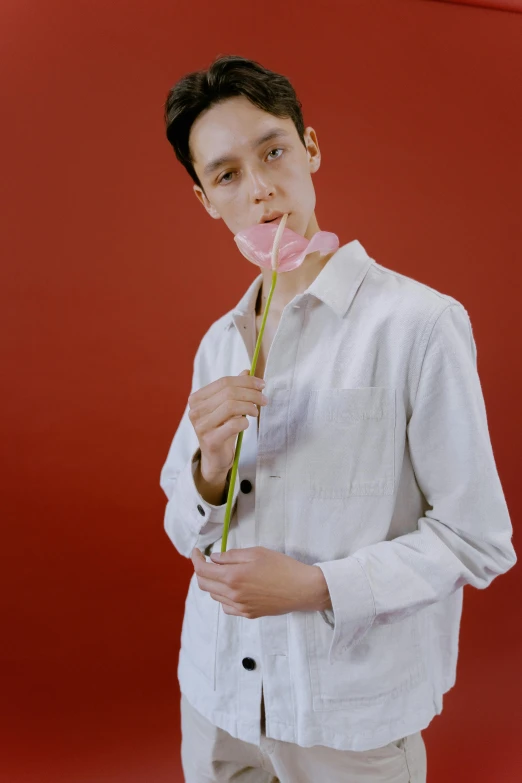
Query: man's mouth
{"type": "Point", "coordinates": [276, 219]}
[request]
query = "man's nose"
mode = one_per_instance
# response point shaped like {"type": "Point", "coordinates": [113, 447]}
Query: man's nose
{"type": "Point", "coordinates": [261, 187]}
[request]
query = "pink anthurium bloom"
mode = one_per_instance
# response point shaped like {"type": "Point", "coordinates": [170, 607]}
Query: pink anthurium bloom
{"type": "Point", "coordinates": [256, 243]}
{"type": "Point", "coordinates": [272, 246]}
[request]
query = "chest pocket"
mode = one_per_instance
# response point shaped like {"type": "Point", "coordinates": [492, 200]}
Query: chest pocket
{"type": "Point", "coordinates": [343, 442]}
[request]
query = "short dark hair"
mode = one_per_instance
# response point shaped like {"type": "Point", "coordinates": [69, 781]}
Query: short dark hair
{"type": "Point", "coordinates": [229, 75]}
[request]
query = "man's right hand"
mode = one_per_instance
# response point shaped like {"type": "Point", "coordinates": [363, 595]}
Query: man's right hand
{"type": "Point", "coordinates": [218, 414]}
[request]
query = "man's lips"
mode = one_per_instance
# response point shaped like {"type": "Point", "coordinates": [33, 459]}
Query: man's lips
{"type": "Point", "coordinates": [276, 219]}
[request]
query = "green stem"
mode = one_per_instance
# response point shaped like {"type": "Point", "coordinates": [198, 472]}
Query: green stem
{"type": "Point", "coordinates": [240, 436]}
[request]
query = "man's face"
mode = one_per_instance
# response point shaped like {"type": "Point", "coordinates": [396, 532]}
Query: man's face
{"type": "Point", "coordinates": [245, 179]}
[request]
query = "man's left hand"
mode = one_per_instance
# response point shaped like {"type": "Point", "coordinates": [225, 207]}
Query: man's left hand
{"type": "Point", "coordinates": [255, 582]}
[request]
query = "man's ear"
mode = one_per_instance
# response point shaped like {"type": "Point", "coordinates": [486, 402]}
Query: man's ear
{"type": "Point", "coordinates": [201, 197]}
{"type": "Point", "coordinates": [315, 163]}
{"type": "Point", "coordinates": [312, 149]}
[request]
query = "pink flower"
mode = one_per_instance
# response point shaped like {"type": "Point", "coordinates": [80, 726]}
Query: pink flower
{"type": "Point", "coordinates": [256, 244]}
{"type": "Point", "coordinates": [272, 246]}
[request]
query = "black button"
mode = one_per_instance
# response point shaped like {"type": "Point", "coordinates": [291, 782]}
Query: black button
{"type": "Point", "coordinates": [246, 486]}
{"type": "Point", "coordinates": [249, 663]}
{"type": "Point", "coordinates": [201, 510]}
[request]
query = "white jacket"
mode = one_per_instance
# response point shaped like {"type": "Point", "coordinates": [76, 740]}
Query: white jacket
{"type": "Point", "coordinates": [372, 460]}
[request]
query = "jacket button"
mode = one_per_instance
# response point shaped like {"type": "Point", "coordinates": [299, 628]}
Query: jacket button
{"type": "Point", "coordinates": [246, 486]}
{"type": "Point", "coordinates": [249, 663]}
{"type": "Point", "coordinates": [201, 510]}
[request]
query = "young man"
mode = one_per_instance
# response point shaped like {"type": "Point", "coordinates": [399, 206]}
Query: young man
{"type": "Point", "coordinates": [319, 646]}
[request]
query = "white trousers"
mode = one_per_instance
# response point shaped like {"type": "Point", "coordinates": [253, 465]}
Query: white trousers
{"type": "Point", "coordinates": [211, 755]}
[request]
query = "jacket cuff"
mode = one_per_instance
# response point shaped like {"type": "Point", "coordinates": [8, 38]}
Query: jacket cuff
{"type": "Point", "coordinates": [353, 606]}
{"type": "Point", "coordinates": [199, 512]}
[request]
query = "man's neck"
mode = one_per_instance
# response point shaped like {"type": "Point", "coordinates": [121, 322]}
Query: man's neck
{"type": "Point", "coordinates": [289, 284]}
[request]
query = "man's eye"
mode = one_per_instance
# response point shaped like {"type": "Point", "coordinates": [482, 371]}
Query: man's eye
{"type": "Point", "coordinates": [229, 173]}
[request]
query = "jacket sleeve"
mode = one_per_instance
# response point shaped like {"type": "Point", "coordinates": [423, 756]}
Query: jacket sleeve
{"type": "Point", "coordinates": [465, 535]}
{"type": "Point", "coordinates": [189, 520]}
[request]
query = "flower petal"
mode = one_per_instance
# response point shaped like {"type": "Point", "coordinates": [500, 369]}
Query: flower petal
{"type": "Point", "coordinates": [255, 244]}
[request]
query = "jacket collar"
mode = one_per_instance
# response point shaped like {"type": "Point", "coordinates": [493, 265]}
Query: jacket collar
{"type": "Point", "coordinates": [335, 285]}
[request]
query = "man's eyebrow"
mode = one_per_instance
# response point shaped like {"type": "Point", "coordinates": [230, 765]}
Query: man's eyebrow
{"type": "Point", "coordinates": [274, 133]}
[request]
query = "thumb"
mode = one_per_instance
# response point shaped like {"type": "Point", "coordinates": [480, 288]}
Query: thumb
{"type": "Point", "coordinates": [230, 556]}
{"type": "Point", "coordinates": [245, 372]}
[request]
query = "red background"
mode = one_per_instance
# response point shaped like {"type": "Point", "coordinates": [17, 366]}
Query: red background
{"type": "Point", "coordinates": [111, 273]}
